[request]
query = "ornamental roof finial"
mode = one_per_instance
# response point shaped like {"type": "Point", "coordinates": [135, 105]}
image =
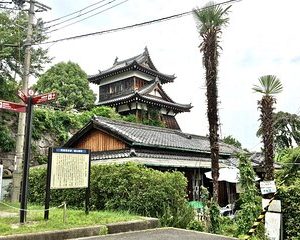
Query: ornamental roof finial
{"type": "Point", "coordinates": [116, 60]}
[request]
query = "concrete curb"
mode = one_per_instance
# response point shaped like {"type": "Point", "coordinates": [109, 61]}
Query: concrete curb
{"type": "Point", "coordinates": [87, 231]}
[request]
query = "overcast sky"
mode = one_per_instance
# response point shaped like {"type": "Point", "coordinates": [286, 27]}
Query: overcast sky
{"type": "Point", "coordinates": [262, 38]}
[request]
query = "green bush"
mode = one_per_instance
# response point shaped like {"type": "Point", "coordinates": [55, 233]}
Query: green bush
{"type": "Point", "coordinates": [290, 196]}
{"type": "Point", "coordinates": [196, 225]}
{"type": "Point", "coordinates": [289, 192]}
{"type": "Point", "coordinates": [125, 187]}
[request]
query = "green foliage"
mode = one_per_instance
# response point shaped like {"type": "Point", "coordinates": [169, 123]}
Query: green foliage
{"type": "Point", "coordinates": [289, 192]}
{"type": "Point", "coordinates": [215, 218]}
{"type": "Point", "coordinates": [70, 82]}
{"type": "Point", "coordinates": [210, 18]}
{"type": "Point", "coordinates": [103, 111]}
{"type": "Point", "coordinates": [6, 139]}
{"type": "Point", "coordinates": [151, 117]}
{"type": "Point", "coordinates": [232, 141]}
{"type": "Point", "coordinates": [127, 187]}
{"type": "Point", "coordinates": [269, 85]}
{"type": "Point", "coordinates": [75, 219]}
{"type": "Point", "coordinates": [57, 123]}
{"type": "Point", "coordinates": [249, 198]}
{"type": "Point", "coordinates": [60, 124]}
{"type": "Point", "coordinates": [290, 160]}
{"type": "Point", "coordinates": [13, 32]}
{"type": "Point", "coordinates": [286, 130]}
{"type": "Point", "coordinates": [290, 196]}
{"type": "Point", "coordinates": [196, 225]}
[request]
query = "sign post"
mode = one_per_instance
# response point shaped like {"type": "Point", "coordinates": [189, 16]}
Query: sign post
{"type": "Point", "coordinates": [68, 168]}
{"type": "Point", "coordinates": [27, 152]}
{"type": "Point", "coordinates": [29, 100]}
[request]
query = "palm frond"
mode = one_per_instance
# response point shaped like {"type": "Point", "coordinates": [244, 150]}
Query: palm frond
{"type": "Point", "coordinates": [210, 16]}
{"type": "Point", "coordinates": [269, 85]}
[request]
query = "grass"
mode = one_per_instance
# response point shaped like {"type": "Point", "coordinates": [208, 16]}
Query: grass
{"type": "Point", "coordinates": [75, 218]}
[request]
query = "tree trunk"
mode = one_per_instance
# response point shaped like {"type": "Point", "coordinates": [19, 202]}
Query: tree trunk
{"type": "Point", "coordinates": [210, 60]}
{"type": "Point", "coordinates": [266, 106]}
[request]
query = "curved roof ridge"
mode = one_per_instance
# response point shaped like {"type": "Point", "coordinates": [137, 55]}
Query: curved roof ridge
{"type": "Point", "coordinates": [143, 61]}
{"type": "Point", "coordinates": [134, 124]}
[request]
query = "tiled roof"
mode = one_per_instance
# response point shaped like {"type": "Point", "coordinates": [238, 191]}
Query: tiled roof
{"type": "Point", "coordinates": [140, 62]}
{"type": "Point", "coordinates": [157, 137]}
{"type": "Point", "coordinates": [153, 158]}
{"type": "Point", "coordinates": [143, 95]}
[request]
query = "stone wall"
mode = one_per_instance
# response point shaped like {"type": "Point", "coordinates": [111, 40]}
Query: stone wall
{"type": "Point", "coordinates": [7, 160]}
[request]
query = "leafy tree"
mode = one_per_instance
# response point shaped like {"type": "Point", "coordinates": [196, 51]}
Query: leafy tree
{"type": "Point", "coordinates": [13, 31]}
{"type": "Point", "coordinates": [286, 130]}
{"type": "Point", "coordinates": [232, 141]}
{"type": "Point", "coordinates": [209, 21]}
{"type": "Point", "coordinates": [269, 85]}
{"type": "Point", "coordinates": [71, 84]}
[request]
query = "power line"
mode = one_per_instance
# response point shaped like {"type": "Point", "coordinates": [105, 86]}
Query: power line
{"type": "Point", "coordinates": [133, 25]}
{"type": "Point", "coordinates": [81, 14]}
{"type": "Point", "coordinates": [88, 16]}
{"type": "Point", "coordinates": [70, 14]}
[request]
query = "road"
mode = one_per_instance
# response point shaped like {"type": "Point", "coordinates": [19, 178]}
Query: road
{"type": "Point", "coordinates": [161, 234]}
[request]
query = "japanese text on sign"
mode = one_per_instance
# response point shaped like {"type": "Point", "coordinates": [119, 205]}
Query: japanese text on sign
{"type": "Point", "coordinates": [69, 169]}
{"type": "Point", "coordinates": [267, 187]}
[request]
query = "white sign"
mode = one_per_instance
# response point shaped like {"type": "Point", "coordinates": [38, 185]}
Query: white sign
{"type": "Point", "coordinates": [267, 187]}
{"type": "Point", "coordinates": [69, 168]}
{"type": "Point", "coordinates": [1, 176]}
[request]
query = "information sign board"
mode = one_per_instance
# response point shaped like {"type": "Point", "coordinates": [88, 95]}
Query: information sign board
{"type": "Point", "coordinates": [44, 98]}
{"type": "Point", "coordinates": [15, 107]}
{"type": "Point", "coordinates": [23, 96]}
{"type": "Point", "coordinates": [267, 187]}
{"type": "Point", "coordinates": [69, 168]}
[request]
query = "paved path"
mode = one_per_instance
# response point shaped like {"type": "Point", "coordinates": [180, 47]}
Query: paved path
{"type": "Point", "coordinates": [7, 214]}
{"type": "Point", "coordinates": [161, 234]}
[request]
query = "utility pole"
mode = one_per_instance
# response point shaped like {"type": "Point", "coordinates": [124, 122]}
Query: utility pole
{"type": "Point", "coordinates": [17, 174]}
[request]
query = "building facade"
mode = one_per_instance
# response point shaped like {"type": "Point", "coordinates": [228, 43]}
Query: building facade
{"type": "Point", "coordinates": [135, 86]}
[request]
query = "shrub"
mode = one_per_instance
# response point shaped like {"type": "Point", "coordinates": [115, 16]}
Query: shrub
{"type": "Point", "coordinates": [125, 187]}
{"type": "Point", "coordinates": [249, 198]}
{"type": "Point", "coordinates": [196, 225]}
{"type": "Point", "coordinates": [289, 192]}
{"type": "Point", "coordinates": [290, 196]}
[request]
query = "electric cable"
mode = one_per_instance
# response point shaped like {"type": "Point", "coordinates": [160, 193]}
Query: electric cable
{"type": "Point", "coordinates": [132, 26]}
{"type": "Point", "coordinates": [81, 14]}
{"type": "Point", "coordinates": [70, 14]}
{"type": "Point", "coordinates": [88, 16]}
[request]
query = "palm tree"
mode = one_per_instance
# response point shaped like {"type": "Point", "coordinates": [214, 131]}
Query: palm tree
{"type": "Point", "coordinates": [210, 20]}
{"type": "Point", "coordinates": [269, 85]}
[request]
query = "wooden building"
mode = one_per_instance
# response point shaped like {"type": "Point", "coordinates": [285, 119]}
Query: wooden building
{"type": "Point", "coordinates": [164, 149]}
{"type": "Point", "coordinates": [134, 86]}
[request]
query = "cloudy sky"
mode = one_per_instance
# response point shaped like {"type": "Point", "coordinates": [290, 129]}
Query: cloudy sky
{"type": "Point", "coordinates": [262, 38]}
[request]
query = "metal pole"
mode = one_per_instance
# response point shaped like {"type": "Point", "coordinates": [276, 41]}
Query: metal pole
{"type": "Point", "coordinates": [48, 182]}
{"type": "Point", "coordinates": [26, 161]}
{"type": "Point", "coordinates": [21, 124]}
{"type": "Point", "coordinates": [88, 189]}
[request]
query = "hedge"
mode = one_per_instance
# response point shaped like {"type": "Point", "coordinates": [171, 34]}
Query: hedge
{"type": "Point", "coordinates": [290, 196]}
{"type": "Point", "coordinates": [125, 187]}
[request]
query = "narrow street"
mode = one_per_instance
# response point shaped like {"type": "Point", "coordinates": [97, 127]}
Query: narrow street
{"type": "Point", "coordinates": [161, 234]}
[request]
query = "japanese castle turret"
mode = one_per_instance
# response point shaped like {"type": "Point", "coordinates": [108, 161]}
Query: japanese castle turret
{"type": "Point", "coordinates": [134, 86]}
